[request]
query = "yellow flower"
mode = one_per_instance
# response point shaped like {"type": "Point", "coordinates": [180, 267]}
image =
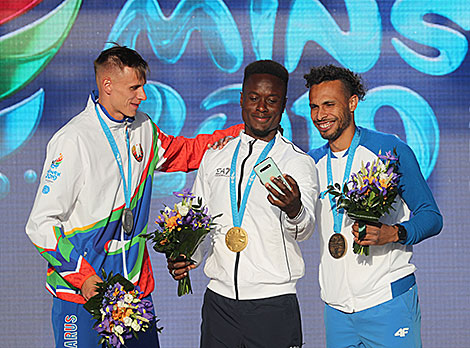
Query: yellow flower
{"type": "Point", "coordinates": [172, 221]}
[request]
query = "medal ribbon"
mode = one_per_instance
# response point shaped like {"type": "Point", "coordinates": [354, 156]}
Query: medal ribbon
{"type": "Point", "coordinates": [127, 187]}
{"type": "Point", "coordinates": [237, 214]}
{"type": "Point", "coordinates": [338, 216]}
{"type": "Point", "coordinates": [117, 156]}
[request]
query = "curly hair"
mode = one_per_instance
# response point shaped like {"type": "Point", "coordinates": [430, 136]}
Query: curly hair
{"type": "Point", "coordinates": [351, 80]}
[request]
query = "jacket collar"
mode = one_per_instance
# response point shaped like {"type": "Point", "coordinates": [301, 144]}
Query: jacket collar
{"type": "Point", "coordinates": [110, 121]}
{"type": "Point", "coordinates": [245, 139]}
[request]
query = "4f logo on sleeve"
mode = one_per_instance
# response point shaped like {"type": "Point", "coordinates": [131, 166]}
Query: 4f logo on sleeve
{"type": "Point", "coordinates": [138, 152]}
{"type": "Point", "coordinates": [402, 332]}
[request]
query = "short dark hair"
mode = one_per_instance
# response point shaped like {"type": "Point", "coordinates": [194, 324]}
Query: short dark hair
{"type": "Point", "coordinates": [266, 67]}
{"type": "Point", "coordinates": [351, 81]}
{"type": "Point", "coordinates": [120, 57]}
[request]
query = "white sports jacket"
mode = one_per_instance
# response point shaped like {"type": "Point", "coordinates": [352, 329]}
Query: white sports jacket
{"type": "Point", "coordinates": [75, 222]}
{"type": "Point", "coordinates": [355, 282]}
{"type": "Point", "coordinates": [271, 263]}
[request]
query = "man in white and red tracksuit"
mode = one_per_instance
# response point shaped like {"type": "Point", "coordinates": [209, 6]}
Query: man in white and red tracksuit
{"type": "Point", "coordinates": [98, 167]}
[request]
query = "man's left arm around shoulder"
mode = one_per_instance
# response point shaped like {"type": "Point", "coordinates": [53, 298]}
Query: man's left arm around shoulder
{"type": "Point", "coordinates": [297, 201]}
{"type": "Point", "coordinates": [426, 220]}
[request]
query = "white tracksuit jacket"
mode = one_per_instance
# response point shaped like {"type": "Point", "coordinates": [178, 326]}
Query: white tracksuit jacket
{"type": "Point", "coordinates": [272, 262]}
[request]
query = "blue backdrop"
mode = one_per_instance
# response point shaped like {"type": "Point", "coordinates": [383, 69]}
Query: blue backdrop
{"type": "Point", "coordinates": [413, 55]}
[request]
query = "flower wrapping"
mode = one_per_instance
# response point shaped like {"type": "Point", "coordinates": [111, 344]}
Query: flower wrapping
{"type": "Point", "coordinates": [119, 311]}
{"type": "Point", "coordinates": [369, 194]}
{"type": "Point", "coordinates": [180, 231]}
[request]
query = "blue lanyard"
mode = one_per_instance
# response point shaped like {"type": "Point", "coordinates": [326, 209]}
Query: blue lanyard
{"type": "Point", "coordinates": [117, 156]}
{"type": "Point", "coordinates": [338, 216]}
{"type": "Point", "coordinates": [237, 214]}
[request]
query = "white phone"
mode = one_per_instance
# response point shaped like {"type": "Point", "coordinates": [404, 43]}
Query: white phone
{"type": "Point", "coordinates": [267, 169]}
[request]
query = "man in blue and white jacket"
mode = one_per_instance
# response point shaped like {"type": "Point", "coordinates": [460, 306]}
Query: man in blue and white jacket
{"type": "Point", "coordinates": [370, 301]}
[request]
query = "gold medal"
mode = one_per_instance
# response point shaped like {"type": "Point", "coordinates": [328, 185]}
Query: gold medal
{"type": "Point", "coordinates": [236, 239]}
{"type": "Point", "coordinates": [337, 245]}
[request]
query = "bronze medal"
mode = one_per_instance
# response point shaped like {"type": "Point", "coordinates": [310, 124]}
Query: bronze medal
{"type": "Point", "coordinates": [236, 239]}
{"type": "Point", "coordinates": [337, 245]}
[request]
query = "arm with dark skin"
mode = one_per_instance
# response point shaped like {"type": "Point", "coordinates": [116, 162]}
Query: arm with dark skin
{"type": "Point", "coordinates": [289, 201]}
{"type": "Point", "coordinates": [179, 268]}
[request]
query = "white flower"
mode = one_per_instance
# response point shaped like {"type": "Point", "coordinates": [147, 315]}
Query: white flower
{"type": "Point", "coordinates": [384, 176]}
{"type": "Point", "coordinates": [121, 304]}
{"type": "Point", "coordinates": [182, 209]}
{"type": "Point", "coordinates": [127, 321]}
{"type": "Point", "coordinates": [118, 329]}
{"type": "Point", "coordinates": [128, 298]}
{"type": "Point", "coordinates": [135, 325]}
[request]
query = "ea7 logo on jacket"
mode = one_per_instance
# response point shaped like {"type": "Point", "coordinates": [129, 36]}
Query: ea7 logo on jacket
{"type": "Point", "coordinates": [138, 152]}
{"type": "Point", "coordinates": [222, 172]}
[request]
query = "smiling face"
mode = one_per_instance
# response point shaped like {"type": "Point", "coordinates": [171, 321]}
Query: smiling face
{"type": "Point", "coordinates": [262, 101]}
{"type": "Point", "coordinates": [121, 92]}
{"type": "Point", "coordinates": [332, 112]}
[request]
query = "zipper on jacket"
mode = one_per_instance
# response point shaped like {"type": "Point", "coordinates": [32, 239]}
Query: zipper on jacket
{"type": "Point", "coordinates": [239, 196]}
{"type": "Point", "coordinates": [285, 246]}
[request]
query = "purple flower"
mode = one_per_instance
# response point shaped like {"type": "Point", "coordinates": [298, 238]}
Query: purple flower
{"type": "Point", "coordinates": [186, 193]}
{"type": "Point", "coordinates": [172, 213]}
{"type": "Point", "coordinates": [114, 341]}
{"type": "Point", "coordinates": [205, 220]}
{"type": "Point", "coordinates": [388, 156]}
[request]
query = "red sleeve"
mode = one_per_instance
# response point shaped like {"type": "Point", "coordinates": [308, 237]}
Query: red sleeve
{"type": "Point", "coordinates": [78, 278]}
{"type": "Point", "coordinates": [185, 154]}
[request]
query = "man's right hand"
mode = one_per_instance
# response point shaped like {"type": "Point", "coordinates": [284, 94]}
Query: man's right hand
{"type": "Point", "coordinates": [179, 268]}
{"type": "Point", "coordinates": [89, 287]}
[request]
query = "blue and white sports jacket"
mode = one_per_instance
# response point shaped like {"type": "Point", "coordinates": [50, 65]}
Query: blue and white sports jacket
{"type": "Point", "coordinates": [357, 282]}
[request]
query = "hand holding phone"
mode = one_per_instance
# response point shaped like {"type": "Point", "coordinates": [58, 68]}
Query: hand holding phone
{"type": "Point", "coordinates": [267, 169]}
{"type": "Point", "coordinates": [289, 202]}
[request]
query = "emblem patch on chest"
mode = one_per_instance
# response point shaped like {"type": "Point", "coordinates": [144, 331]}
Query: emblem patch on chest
{"type": "Point", "coordinates": [138, 152]}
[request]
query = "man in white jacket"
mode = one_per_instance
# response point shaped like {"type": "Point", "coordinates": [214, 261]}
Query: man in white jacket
{"type": "Point", "coordinates": [253, 259]}
{"type": "Point", "coordinates": [370, 300]}
{"type": "Point", "coordinates": [92, 205]}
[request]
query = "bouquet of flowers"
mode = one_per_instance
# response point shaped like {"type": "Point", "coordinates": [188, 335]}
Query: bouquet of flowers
{"type": "Point", "coordinates": [118, 310]}
{"type": "Point", "coordinates": [180, 231]}
{"type": "Point", "coordinates": [371, 195]}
